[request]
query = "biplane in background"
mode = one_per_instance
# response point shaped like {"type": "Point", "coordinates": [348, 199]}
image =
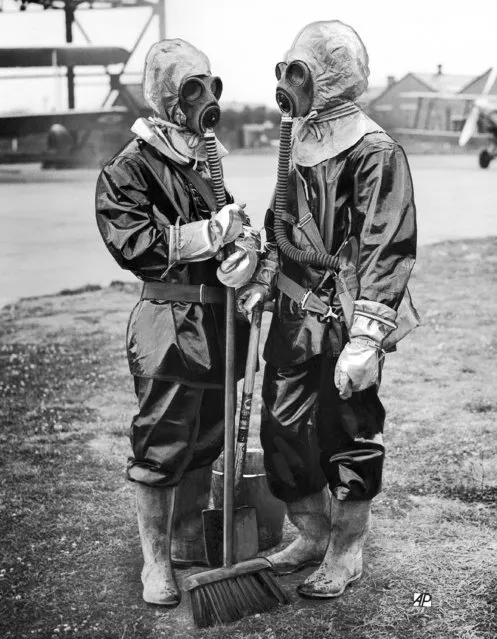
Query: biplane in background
{"type": "Point", "coordinates": [469, 116]}
{"type": "Point", "coordinates": [68, 131]}
{"type": "Point", "coordinates": [76, 136]}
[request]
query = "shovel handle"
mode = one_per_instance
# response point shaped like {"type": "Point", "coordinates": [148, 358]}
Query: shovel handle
{"type": "Point", "coordinates": [229, 368]}
{"type": "Point", "coordinates": [229, 430]}
{"type": "Point", "coordinates": [247, 395]}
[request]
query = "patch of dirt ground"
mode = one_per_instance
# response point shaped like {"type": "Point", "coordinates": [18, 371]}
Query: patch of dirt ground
{"type": "Point", "coordinates": [70, 556]}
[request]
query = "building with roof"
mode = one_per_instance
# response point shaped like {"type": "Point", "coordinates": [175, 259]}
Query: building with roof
{"type": "Point", "coordinates": [393, 109]}
{"type": "Point", "coordinates": [476, 85]}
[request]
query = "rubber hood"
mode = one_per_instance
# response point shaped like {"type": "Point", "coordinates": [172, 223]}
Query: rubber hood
{"type": "Point", "coordinates": [167, 64]}
{"type": "Point", "coordinates": [337, 59]}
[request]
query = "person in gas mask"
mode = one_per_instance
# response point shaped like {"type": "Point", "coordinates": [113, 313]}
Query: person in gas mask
{"type": "Point", "coordinates": [156, 213]}
{"type": "Point", "coordinates": [350, 195]}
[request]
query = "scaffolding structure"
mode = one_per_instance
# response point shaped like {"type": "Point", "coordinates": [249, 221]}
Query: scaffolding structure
{"type": "Point", "coordinates": [120, 106]}
{"type": "Point", "coordinates": [156, 13]}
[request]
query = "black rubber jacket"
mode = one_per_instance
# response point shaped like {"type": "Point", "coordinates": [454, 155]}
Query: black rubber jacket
{"type": "Point", "coordinates": [366, 191]}
{"type": "Point", "coordinates": [175, 341]}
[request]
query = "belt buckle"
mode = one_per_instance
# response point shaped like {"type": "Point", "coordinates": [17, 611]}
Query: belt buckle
{"type": "Point", "coordinates": [328, 316]}
{"type": "Point", "coordinates": [307, 218]}
{"type": "Point", "coordinates": [304, 299]}
{"type": "Point", "coordinates": [202, 293]}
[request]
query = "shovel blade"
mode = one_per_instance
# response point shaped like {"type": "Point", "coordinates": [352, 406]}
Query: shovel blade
{"type": "Point", "coordinates": [245, 535]}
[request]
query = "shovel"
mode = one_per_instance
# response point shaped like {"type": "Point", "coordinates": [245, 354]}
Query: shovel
{"type": "Point", "coordinates": [245, 528]}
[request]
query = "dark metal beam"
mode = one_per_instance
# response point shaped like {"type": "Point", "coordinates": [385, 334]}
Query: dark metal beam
{"type": "Point", "coordinates": [69, 19]}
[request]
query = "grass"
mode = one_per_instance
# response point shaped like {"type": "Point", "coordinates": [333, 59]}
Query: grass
{"type": "Point", "coordinates": [70, 557]}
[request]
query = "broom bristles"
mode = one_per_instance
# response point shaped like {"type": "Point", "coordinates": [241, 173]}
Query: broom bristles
{"type": "Point", "coordinates": [234, 598]}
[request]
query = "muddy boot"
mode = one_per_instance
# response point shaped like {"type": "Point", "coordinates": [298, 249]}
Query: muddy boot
{"type": "Point", "coordinates": [192, 497]}
{"type": "Point", "coordinates": [155, 510]}
{"type": "Point", "coordinates": [342, 563]}
{"type": "Point", "coordinates": [311, 517]}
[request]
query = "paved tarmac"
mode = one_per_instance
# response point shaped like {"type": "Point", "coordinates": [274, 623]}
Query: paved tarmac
{"type": "Point", "coordinates": [49, 240]}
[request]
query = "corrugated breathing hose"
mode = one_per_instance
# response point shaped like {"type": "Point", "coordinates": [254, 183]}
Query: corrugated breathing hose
{"type": "Point", "coordinates": [215, 168]}
{"type": "Point", "coordinates": [282, 229]}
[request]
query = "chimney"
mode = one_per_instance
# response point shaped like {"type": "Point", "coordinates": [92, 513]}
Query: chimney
{"type": "Point", "coordinates": [390, 80]}
{"type": "Point", "coordinates": [439, 69]}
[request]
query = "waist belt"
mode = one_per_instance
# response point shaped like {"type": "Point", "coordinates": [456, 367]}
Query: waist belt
{"type": "Point", "coordinates": [182, 293]}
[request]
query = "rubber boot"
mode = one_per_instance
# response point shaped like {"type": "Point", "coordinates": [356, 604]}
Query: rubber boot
{"type": "Point", "coordinates": [155, 510]}
{"type": "Point", "coordinates": [192, 497]}
{"type": "Point", "coordinates": [310, 516]}
{"type": "Point", "coordinates": [342, 563]}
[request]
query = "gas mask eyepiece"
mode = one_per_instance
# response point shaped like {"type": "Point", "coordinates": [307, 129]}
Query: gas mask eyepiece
{"type": "Point", "coordinates": [294, 92]}
{"type": "Point", "coordinates": [198, 99]}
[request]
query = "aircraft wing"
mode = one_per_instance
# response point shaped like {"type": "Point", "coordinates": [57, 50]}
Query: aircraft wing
{"type": "Point", "coordinates": [16, 126]}
{"type": "Point", "coordinates": [68, 55]}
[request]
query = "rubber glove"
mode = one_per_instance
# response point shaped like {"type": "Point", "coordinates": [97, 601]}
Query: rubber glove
{"type": "Point", "coordinates": [359, 364]}
{"type": "Point", "coordinates": [199, 241]}
{"type": "Point", "coordinates": [261, 288]}
{"type": "Point", "coordinates": [237, 269]}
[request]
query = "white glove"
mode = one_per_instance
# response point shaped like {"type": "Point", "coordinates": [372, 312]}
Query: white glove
{"type": "Point", "coordinates": [260, 289]}
{"type": "Point", "coordinates": [238, 267]}
{"type": "Point", "coordinates": [194, 242]}
{"type": "Point", "coordinates": [359, 364]}
{"type": "Point", "coordinates": [199, 241]}
{"type": "Point", "coordinates": [230, 220]}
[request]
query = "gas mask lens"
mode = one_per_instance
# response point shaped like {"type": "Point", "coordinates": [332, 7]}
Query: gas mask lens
{"type": "Point", "coordinates": [216, 87]}
{"type": "Point", "coordinates": [279, 70]}
{"type": "Point", "coordinates": [296, 73]}
{"type": "Point", "coordinates": [192, 90]}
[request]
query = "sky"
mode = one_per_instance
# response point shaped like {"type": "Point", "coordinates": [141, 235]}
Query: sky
{"type": "Point", "coordinates": [244, 40]}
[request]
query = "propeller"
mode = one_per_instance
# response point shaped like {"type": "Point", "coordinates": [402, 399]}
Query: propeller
{"type": "Point", "coordinates": [469, 127]}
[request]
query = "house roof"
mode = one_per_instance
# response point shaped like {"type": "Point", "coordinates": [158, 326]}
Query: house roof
{"type": "Point", "coordinates": [444, 82]}
{"type": "Point", "coordinates": [436, 82]}
{"type": "Point", "coordinates": [371, 93]}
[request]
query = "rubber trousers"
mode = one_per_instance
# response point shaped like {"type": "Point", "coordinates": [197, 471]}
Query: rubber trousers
{"type": "Point", "coordinates": [178, 428]}
{"type": "Point", "coordinates": [312, 437]}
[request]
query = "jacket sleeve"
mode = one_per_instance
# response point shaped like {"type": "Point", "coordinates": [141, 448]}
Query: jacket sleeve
{"type": "Point", "coordinates": [270, 247]}
{"type": "Point", "coordinates": [383, 206]}
{"type": "Point", "coordinates": [125, 218]}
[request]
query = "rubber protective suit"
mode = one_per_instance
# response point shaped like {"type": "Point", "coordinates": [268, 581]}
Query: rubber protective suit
{"type": "Point", "coordinates": [156, 223]}
{"type": "Point", "coordinates": [322, 420]}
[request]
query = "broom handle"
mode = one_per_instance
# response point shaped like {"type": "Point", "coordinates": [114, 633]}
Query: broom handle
{"type": "Point", "coordinates": [229, 368]}
{"type": "Point", "coordinates": [246, 403]}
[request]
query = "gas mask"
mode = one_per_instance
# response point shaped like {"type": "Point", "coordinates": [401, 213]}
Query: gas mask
{"type": "Point", "coordinates": [198, 99]}
{"type": "Point", "coordinates": [295, 91]}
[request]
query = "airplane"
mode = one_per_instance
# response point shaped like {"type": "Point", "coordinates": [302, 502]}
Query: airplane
{"type": "Point", "coordinates": [69, 131]}
{"type": "Point", "coordinates": [479, 119]}
{"type": "Point", "coordinates": [487, 121]}
{"type": "Point", "coordinates": [483, 117]}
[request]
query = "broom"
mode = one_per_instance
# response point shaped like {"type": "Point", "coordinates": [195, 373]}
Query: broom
{"type": "Point", "coordinates": [247, 394]}
{"type": "Point", "coordinates": [227, 594]}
